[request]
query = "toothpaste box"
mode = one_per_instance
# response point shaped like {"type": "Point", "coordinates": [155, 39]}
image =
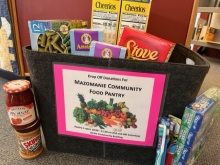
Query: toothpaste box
{"type": "Point", "coordinates": [196, 152]}
{"type": "Point", "coordinates": [196, 111]}
{"type": "Point", "coordinates": [104, 50]}
{"type": "Point", "coordinates": [181, 153]}
{"type": "Point", "coordinates": [186, 136]}
{"type": "Point", "coordinates": [178, 162]}
{"type": "Point", "coordinates": [80, 40]}
{"type": "Point", "coordinates": [134, 14]}
{"type": "Point", "coordinates": [189, 137]}
{"type": "Point", "coordinates": [213, 92]}
{"type": "Point", "coordinates": [53, 35]}
{"type": "Point", "coordinates": [105, 15]}
{"type": "Point", "coordinates": [196, 123]}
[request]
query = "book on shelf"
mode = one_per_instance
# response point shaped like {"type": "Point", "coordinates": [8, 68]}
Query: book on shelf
{"type": "Point", "coordinates": [203, 33]}
{"type": "Point", "coordinates": [200, 23]}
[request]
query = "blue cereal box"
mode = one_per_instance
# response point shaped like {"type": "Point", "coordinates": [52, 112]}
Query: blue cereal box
{"type": "Point", "coordinates": [104, 50]}
{"type": "Point", "coordinates": [80, 40]}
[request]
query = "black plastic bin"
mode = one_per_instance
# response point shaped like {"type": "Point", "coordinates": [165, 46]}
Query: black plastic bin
{"type": "Point", "coordinates": [183, 86]}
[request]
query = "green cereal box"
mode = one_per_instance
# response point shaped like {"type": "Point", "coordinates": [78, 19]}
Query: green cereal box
{"type": "Point", "coordinates": [53, 35]}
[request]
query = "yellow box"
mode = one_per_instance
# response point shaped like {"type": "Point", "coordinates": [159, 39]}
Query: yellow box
{"type": "Point", "coordinates": [134, 14]}
{"type": "Point", "coordinates": [105, 15]}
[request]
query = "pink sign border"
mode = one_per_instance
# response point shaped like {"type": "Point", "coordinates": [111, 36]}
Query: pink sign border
{"type": "Point", "coordinates": [159, 84]}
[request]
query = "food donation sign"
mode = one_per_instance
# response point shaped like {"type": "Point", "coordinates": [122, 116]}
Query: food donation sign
{"type": "Point", "coordinates": [108, 105]}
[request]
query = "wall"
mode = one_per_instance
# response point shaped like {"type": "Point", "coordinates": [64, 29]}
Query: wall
{"type": "Point", "coordinates": [168, 19]}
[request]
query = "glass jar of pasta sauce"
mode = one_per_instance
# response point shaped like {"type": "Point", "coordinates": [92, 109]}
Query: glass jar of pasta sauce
{"type": "Point", "coordinates": [20, 104]}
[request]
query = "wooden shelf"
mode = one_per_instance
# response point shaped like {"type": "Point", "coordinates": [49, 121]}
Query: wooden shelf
{"type": "Point", "coordinates": [211, 44]}
{"type": "Point", "coordinates": [208, 10]}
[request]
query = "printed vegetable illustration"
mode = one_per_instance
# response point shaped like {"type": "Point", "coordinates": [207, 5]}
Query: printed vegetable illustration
{"type": "Point", "coordinates": [92, 104]}
{"type": "Point", "coordinates": [103, 115]}
{"type": "Point", "coordinates": [82, 100]}
{"type": "Point", "coordinates": [98, 121]}
{"type": "Point", "coordinates": [101, 105]}
{"type": "Point", "coordinates": [110, 105]}
{"type": "Point", "coordinates": [80, 115]}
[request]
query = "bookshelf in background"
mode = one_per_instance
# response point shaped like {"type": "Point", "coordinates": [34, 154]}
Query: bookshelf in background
{"type": "Point", "coordinates": [210, 12]}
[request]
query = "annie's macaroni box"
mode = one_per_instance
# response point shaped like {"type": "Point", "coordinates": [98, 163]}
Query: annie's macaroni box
{"type": "Point", "coordinates": [80, 40]}
{"type": "Point", "coordinates": [105, 15]}
{"type": "Point", "coordinates": [53, 35]}
{"type": "Point", "coordinates": [104, 50]}
{"type": "Point", "coordinates": [134, 14]}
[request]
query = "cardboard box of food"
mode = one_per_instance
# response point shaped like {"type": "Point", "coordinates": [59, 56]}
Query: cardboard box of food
{"type": "Point", "coordinates": [105, 15]}
{"type": "Point", "coordinates": [104, 50]}
{"type": "Point", "coordinates": [144, 46]}
{"type": "Point", "coordinates": [134, 14]}
{"type": "Point", "coordinates": [53, 35]}
{"type": "Point", "coordinates": [80, 40]}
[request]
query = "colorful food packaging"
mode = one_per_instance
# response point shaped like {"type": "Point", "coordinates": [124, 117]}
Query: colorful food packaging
{"type": "Point", "coordinates": [135, 14]}
{"type": "Point", "coordinates": [105, 16]}
{"type": "Point", "coordinates": [144, 46]}
{"type": "Point", "coordinates": [103, 50]}
{"type": "Point", "coordinates": [52, 35]}
{"type": "Point", "coordinates": [80, 40]}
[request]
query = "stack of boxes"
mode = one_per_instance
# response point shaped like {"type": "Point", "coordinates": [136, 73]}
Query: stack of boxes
{"type": "Point", "coordinates": [196, 123]}
{"type": "Point", "coordinates": [108, 17]}
{"type": "Point", "coordinates": [113, 15]}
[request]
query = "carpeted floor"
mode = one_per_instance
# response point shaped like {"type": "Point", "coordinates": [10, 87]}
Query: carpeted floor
{"type": "Point", "coordinates": [9, 150]}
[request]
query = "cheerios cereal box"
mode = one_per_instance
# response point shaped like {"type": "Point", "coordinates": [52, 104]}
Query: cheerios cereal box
{"type": "Point", "coordinates": [134, 14]}
{"type": "Point", "coordinates": [105, 15]}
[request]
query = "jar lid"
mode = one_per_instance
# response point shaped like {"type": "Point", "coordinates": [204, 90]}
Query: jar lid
{"type": "Point", "coordinates": [16, 86]}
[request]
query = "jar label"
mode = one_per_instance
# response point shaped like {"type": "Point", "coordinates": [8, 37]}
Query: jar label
{"type": "Point", "coordinates": [21, 115]}
{"type": "Point", "coordinates": [31, 144]}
